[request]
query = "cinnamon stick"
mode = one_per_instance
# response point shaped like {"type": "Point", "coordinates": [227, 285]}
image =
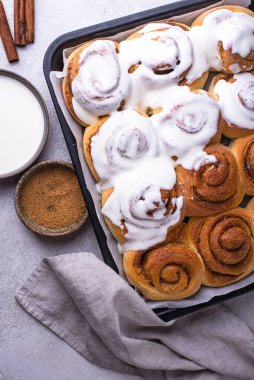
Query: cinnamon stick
{"type": "Point", "coordinates": [30, 21]}
{"type": "Point", "coordinates": [22, 22]}
{"type": "Point", "coordinates": [17, 38]}
{"type": "Point", "coordinates": [6, 36]}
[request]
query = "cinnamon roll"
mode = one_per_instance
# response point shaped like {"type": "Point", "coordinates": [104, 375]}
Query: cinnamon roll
{"type": "Point", "coordinates": [250, 206]}
{"type": "Point", "coordinates": [235, 95]}
{"type": "Point", "coordinates": [171, 272]}
{"type": "Point", "coordinates": [118, 143]}
{"type": "Point", "coordinates": [160, 53]}
{"type": "Point", "coordinates": [226, 245]}
{"type": "Point", "coordinates": [186, 125]}
{"type": "Point", "coordinates": [214, 187]}
{"type": "Point", "coordinates": [178, 234]}
{"type": "Point", "coordinates": [144, 204]}
{"type": "Point", "coordinates": [95, 83]}
{"type": "Point", "coordinates": [223, 40]}
{"type": "Point", "coordinates": [243, 150]}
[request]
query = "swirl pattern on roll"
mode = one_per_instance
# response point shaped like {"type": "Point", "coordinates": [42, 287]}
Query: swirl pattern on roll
{"type": "Point", "coordinates": [236, 99]}
{"type": "Point", "coordinates": [215, 186]}
{"type": "Point", "coordinates": [125, 139]}
{"type": "Point", "coordinates": [158, 53]}
{"type": "Point", "coordinates": [226, 244]}
{"type": "Point", "coordinates": [170, 272]}
{"type": "Point", "coordinates": [243, 150]}
{"type": "Point", "coordinates": [186, 125]}
{"type": "Point", "coordinates": [101, 85]}
{"type": "Point", "coordinates": [144, 204]}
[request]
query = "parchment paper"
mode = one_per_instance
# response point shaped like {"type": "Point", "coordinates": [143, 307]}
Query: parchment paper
{"type": "Point", "coordinates": [205, 293]}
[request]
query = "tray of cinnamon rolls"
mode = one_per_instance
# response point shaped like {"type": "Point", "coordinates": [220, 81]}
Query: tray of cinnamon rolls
{"type": "Point", "coordinates": [166, 115]}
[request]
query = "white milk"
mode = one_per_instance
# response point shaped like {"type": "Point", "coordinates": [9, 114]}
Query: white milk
{"type": "Point", "coordinates": [21, 124]}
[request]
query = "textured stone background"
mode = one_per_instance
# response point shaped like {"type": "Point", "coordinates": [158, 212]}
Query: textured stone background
{"type": "Point", "coordinates": [28, 351]}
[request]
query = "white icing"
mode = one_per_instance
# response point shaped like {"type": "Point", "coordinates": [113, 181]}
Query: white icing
{"type": "Point", "coordinates": [234, 29]}
{"type": "Point", "coordinates": [135, 194]}
{"type": "Point", "coordinates": [100, 85]}
{"type": "Point", "coordinates": [161, 47]}
{"type": "Point", "coordinates": [132, 153]}
{"type": "Point", "coordinates": [237, 100]}
{"type": "Point", "coordinates": [186, 125]}
{"type": "Point", "coordinates": [82, 114]}
{"type": "Point", "coordinates": [159, 97]}
{"type": "Point", "coordinates": [125, 139]}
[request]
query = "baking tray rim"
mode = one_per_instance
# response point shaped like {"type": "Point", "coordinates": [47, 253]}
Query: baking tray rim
{"type": "Point", "coordinates": [102, 30]}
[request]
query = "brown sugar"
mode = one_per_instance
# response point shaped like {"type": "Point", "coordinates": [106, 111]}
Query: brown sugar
{"type": "Point", "coordinates": [52, 198]}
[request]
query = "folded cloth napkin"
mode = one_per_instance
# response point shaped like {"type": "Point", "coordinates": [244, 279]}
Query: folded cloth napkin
{"type": "Point", "coordinates": [96, 312]}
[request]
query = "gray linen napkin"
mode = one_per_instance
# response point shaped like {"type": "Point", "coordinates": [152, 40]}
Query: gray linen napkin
{"type": "Point", "coordinates": [97, 313]}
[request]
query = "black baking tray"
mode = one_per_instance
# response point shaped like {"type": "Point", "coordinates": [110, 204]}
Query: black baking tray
{"type": "Point", "coordinates": [53, 61]}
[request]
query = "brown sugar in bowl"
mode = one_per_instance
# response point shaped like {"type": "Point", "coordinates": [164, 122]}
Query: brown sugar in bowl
{"type": "Point", "coordinates": [48, 199]}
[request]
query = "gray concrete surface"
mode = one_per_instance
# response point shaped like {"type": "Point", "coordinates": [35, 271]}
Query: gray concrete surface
{"type": "Point", "coordinates": [28, 351]}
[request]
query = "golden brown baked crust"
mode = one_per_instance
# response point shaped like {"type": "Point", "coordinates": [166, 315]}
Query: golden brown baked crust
{"type": "Point", "coordinates": [226, 56]}
{"type": "Point", "coordinates": [250, 206]}
{"type": "Point", "coordinates": [170, 272]}
{"type": "Point", "coordinates": [226, 244]}
{"type": "Point", "coordinates": [231, 131]}
{"type": "Point", "coordinates": [72, 71]}
{"type": "Point", "coordinates": [215, 187]}
{"type": "Point", "coordinates": [89, 133]}
{"type": "Point", "coordinates": [243, 150]}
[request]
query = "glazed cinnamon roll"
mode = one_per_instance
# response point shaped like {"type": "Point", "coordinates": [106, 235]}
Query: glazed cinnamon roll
{"type": "Point", "coordinates": [171, 272]}
{"type": "Point", "coordinates": [214, 187]}
{"type": "Point", "coordinates": [144, 204]}
{"type": "Point", "coordinates": [160, 53]}
{"type": "Point", "coordinates": [95, 83]}
{"type": "Point", "coordinates": [223, 40]}
{"type": "Point", "coordinates": [243, 150]}
{"type": "Point", "coordinates": [226, 244]}
{"type": "Point", "coordinates": [235, 95]}
{"type": "Point", "coordinates": [118, 143]}
{"type": "Point", "coordinates": [186, 125]}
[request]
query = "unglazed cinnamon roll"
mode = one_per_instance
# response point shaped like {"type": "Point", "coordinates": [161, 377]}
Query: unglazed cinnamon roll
{"type": "Point", "coordinates": [243, 150]}
{"type": "Point", "coordinates": [160, 53]}
{"type": "Point", "coordinates": [250, 206]}
{"type": "Point", "coordinates": [186, 125]}
{"type": "Point", "coordinates": [235, 95]}
{"type": "Point", "coordinates": [214, 187]}
{"type": "Point", "coordinates": [144, 204]}
{"type": "Point", "coordinates": [170, 272]}
{"type": "Point", "coordinates": [118, 143]}
{"type": "Point", "coordinates": [223, 39]}
{"type": "Point", "coordinates": [95, 83]}
{"type": "Point", "coordinates": [226, 244]}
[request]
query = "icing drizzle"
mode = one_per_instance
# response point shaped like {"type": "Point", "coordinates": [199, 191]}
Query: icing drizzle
{"type": "Point", "coordinates": [236, 100]}
{"type": "Point", "coordinates": [125, 139]}
{"type": "Point", "coordinates": [146, 200]}
{"type": "Point", "coordinates": [101, 85]}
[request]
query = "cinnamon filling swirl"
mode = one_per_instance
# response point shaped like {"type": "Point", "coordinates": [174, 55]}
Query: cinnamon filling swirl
{"type": "Point", "coordinates": [173, 271]}
{"type": "Point", "coordinates": [226, 245]}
